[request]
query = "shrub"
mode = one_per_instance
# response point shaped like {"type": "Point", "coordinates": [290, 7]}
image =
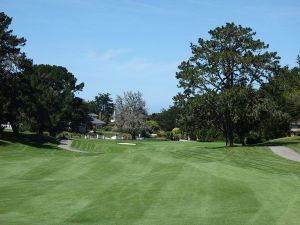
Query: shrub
{"type": "Point", "coordinates": [209, 135]}
{"type": "Point", "coordinates": [176, 134]}
{"type": "Point", "coordinates": [253, 138]}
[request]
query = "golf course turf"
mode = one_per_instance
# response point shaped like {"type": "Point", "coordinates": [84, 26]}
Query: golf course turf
{"type": "Point", "coordinates": [154, 182]}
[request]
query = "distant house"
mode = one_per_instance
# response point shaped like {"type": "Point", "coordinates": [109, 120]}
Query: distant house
{"type": "Point", "coordinates": [94, 123]}
{"type": "Point", "coordinates": [6, 126]}
{"type": "Point", "coordinates": [295, 128]}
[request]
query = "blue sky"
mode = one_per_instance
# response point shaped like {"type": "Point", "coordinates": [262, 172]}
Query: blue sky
{"type": "Point", "coordinates": [119, 45]}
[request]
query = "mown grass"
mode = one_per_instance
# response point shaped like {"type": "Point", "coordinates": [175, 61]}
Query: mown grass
{"type": "Point", "coordinates": [150, 183]}
{"type": "Point", "coordinates": [291, 142]}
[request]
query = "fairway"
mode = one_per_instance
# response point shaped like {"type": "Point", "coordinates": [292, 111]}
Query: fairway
{"type": "Point", "coordinates": [154, 182]}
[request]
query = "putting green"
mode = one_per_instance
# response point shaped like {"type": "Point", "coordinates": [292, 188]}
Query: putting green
{"type": "Point", "coordinates": [150, 183]}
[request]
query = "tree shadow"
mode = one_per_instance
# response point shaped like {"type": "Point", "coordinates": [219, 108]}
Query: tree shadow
{"type": "Point", "coordinates": [220, 147]}
{"type": "Point", "coordinates": [276, 143]}
{"type": "Point", "coordinates": [255, 157]}
{"type": "Point", "coordinates": [33, 140]}
{"type": "Point", "coordinates": [3, 143]}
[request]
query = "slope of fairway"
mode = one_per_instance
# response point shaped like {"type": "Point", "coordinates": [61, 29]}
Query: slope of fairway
{"type": "Point", "coordinates": [150, 183]}
{"type": "Point", "coordinates": [291, 142]}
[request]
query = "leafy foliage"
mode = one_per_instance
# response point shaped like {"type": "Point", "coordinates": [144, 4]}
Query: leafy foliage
{"type": "Point", "coordinates": [79, 116]}
{"type": "Point", "coordinates": [152, 126]}
{"type": "Point", "coordinates": [104, 104]}
{"type": "Point", "coordinates": [13, 65]}
{"type": "Point", "coordinates": [167, 118]}
{"type": "Point", "coordinates": [54, 92]}
{"type": "Point", "coordinates": [220, 78]}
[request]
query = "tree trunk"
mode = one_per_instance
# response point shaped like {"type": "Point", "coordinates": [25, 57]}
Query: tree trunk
{"type": "Point", "coordinates": [226, 137]}
{"type": "Point", "coordinates": [52, 133]}
{"type": "Point", "coordinates": [228, 130]}
{"type": "Point", "coordinates": [231, 143]}
{"type": "Point", "coordinates": [40, 131]}
{"type": "Point", "coordinates": [242, 140]}
{"type": "Point", "coordinates": [231, 137]}
{"type": "Point", "coordinates": [133, 136]}
{"type": "Point", "coordinates": [15, 129]}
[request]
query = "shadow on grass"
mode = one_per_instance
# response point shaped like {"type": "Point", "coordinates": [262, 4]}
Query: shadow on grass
{"type": "Point", "coordinates": [281, 141]}
{"type": "Point", "coordinates": [33, 140]}
{"type": "Point", "coordinates": [221, 147]}
{"type": "Point", "coordinates": [256, 157]}
{"type": "Point", "coordinates": [276, 143]}
{"type": "Point", "coordinates": [3, 143]}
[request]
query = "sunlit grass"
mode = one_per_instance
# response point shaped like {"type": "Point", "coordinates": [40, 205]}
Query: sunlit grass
{"type": "Point", "coordinates": [154, 182]}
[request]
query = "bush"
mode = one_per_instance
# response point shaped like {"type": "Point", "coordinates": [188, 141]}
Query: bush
{"type": "Point", "coordinates": [108, 127]}
{"type": "Point", "coordinates": [162, 134]}
{"type": "Point", "coordinates": [209, 135]}
{"type": "Point", "coordinates": [64, 135]}
{"type": "Point", "coordinates": [176, 134]}
{"type": "Point", "coordinates": [253, 138]}
{"type": "Point", "coordinates": [169, 135]}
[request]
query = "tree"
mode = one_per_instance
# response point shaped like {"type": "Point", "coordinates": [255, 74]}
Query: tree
{"type": "Point", "coordinates": [13, 66]}
{"type": "Point", "coordinates": [92, 108]}
{"type": "Point", "coordinates": [131, 113]}
{"type": "Point", "coordinates": [283, 89]}
{"type": "Point", "coordinates": [79, 115]}
{"type": "Point", "coordinates": [104, 104]}
{"type": "Point", "coordinates": [220, 68]}
{"type": "Point", "coordinates": [152, 126]}
{"type": "Point", "coordinates": [54, 97]}
{"type": "Point", "coordinates": [283, 95]}
{"type": "Point", "coordinates": [166, 118]}
{"type": "Point", "coordinates": [176, 133]}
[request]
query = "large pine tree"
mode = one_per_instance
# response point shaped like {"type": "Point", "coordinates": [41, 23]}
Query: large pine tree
{"type": "Point", "coordinates": [13, 65]}
{"type": "Point", "coordinates": [224, 70]}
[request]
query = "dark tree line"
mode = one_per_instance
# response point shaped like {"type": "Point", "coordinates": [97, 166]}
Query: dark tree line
{"type": "Point", "coordinates": [167, 119]}
{"type": "Point", "coordinates": [38, 97]}
{"type": "Point", "coordinates": [231, 84]}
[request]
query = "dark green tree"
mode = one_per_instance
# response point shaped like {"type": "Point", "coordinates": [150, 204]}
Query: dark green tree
{"type": "Point", "coordinates": [79, 115]}
{"type": "Point", "coordinates": [230, 61]}
{"type": "Point", "coordinates": [92, 107]}
{"type": "Point", "coordinates": [166, 118]}
{"type": "Point", "coordinates": [283, 94]}
{"type": "Point", "coordinates": [104, 105]}
{"type": "Point", "coordinates": [54, 97]}
{"type": "Point", "coordinates": [283, 89]}
{"type": "Point", "coordinates": [13, 66]}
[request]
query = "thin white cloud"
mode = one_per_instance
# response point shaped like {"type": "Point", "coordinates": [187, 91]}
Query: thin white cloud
{"type": "Point", "coordinates": [120, 61]}
{"type": "Point", "coordinates": [107, 55]}
{"type": "Point", "coordinates": [119, 71]}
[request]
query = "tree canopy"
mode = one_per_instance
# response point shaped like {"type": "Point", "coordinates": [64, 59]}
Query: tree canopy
{"type": "Point", "coordinates": [222, 75]}
{"type": "Point", "coordinates": [13, 65]}
{"type": "Point", "coordinates": [54, 89]}
{"type": "Point", "coordinates": [105, 105]}
{"type": "Point", "coordinates": [131, 113]}
{"type": "Point", "coordinates": [166, 118]}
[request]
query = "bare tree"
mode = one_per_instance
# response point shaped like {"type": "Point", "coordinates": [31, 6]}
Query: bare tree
{"type": "Point", "coordinates": [131, 113]}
